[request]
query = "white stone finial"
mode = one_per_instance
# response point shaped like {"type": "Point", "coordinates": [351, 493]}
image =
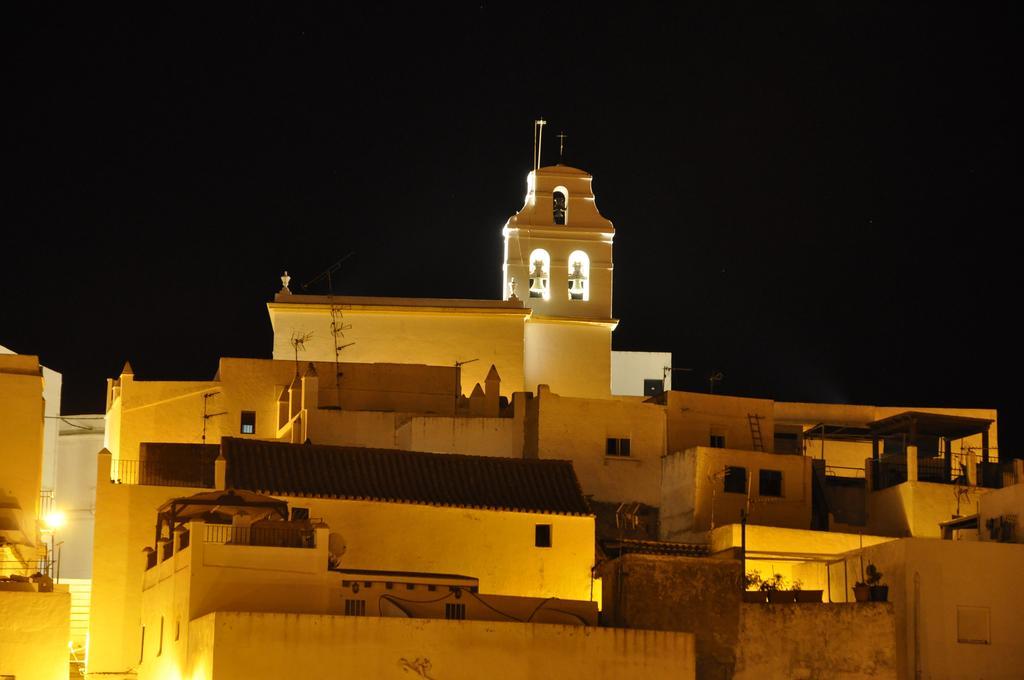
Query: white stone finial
{"type": "Point", "coordinates": [285, 279]}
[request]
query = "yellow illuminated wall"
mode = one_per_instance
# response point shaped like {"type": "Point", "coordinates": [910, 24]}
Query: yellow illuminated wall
{"type": "Point", "coordinates": [409, 331]}
{"type": "Point", "coordinates": [497, 547]}
{"type": "Point", "coordinates": [222, 647]}
{"type": "Point", "coordinates": [21, 437]}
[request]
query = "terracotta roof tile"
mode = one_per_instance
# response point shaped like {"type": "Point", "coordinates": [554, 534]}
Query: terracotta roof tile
{"type": "Point", "coordinates": [347, 472]}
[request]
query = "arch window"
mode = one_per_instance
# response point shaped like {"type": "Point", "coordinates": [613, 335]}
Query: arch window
{"type": "Point", "coordinates": [559, 204]}
{"type": "Point", "coordinates": [540, 274]}
{"type": "Point", "coordinates": [579, 276]}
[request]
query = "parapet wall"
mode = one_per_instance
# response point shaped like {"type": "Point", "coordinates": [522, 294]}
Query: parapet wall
{"type": "Point", "coordinates": [224, 645]}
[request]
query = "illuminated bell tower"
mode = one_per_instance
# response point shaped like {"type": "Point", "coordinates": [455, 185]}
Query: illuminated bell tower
{"type": "Point", "coordinates": [558, 248]}
{"type": "Point", "coordinates": [558, 261]}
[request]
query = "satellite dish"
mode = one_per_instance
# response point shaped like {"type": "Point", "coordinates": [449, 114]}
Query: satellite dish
{"type": "Point", "coordinates": [335, 549]}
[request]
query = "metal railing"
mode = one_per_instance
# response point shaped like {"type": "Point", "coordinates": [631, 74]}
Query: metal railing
{"type": "Point", "coordinates": [27, 569]}
{"type": "Point", "coordinates": [45, 502]}
{"type": "Point", "coordinates": [270, 534]}
{"type": "Point", "coordinates": [843, 471]}
{"type": "Point", "coordinates": [996, 475]}
{"type": "Point", "coordinates": [163, 473]}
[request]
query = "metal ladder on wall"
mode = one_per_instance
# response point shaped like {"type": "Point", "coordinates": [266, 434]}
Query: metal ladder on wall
{"type": "Point", "coordinates": [755, 431]}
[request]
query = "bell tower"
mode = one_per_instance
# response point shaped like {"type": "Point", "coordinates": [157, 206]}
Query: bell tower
{"type": "Point", "coordinates": [558, 262]}
{"type": "Point", "coordinates": [558, 247]}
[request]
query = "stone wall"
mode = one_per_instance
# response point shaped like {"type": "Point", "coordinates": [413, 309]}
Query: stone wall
{"type": "Point", "coordinates": [686, 594]}
{"type": "Point", "coordinates": [817, 641]}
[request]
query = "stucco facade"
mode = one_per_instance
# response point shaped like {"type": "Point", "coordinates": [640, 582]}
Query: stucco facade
{"type": "Point", "coordinates": [34, 634]}
{"type": "Point", "coordinates": [224, 645]}
{"type": "Point", "coordinates": [21, 429]}
{"type": "Point", "coordinates": [957, 608]}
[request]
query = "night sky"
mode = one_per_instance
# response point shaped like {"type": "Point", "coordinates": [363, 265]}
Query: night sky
{"type": "Point", "coordinates": [817, 201]}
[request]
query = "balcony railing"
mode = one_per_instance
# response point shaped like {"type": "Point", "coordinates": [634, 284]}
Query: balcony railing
{"type": "Point", "coordinates": [992, 475]}
{"type": "Point", "coordinates": [995, 475]}
{"type": "Point", "coordinates": [271, 534]}
{"type": "Point", "coordinates": [163, 473]}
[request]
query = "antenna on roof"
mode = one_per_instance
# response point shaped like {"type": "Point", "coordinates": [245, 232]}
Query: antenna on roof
{"type": "Point", "coordinates": [298, 342]}
{"type": "Point", "coordinates": [561, 146]}
{"type": "Point", "coordinates": [458, 375]}
{"type": "Point", "coordinates": [206, 414]}
{"type": "Point", "coordinates": [538, 141]}
{"type": "Point", "coordinates": [338, 325]}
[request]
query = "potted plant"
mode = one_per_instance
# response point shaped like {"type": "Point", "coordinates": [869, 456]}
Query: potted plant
{"type": "Point", "coordinates": [752, 588]}
{"type": "Point", "coordinates": [879, 593]}
{"type": "Point", "coordinates": [870, 590]}
{"type": "Point", "coordinates": [806, 595]}
{"type": "Point", "coordinates": [776, 593]}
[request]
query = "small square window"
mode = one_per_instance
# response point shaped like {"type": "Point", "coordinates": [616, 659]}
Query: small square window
{"type": "Point", "coordinates": [355, 607]}
{"type": "Point", "coordinates": [735, 479]}
{"type": "Point", "coordinates": [454, 611]}
{"type": "Point", "coordinates": [770, 483]}
{"type": "Point", "coordinates": [248, 422]}
{"type": "Point", "coordinates": [717, 440]}
{"type": "Point", "coordinates": [617, 446]}
{"type": "Point", "coordinates": [653, 387]}
{"type": "Point", "coordinates": [542, 536]}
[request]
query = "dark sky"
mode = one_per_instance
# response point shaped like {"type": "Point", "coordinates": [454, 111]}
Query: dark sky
{"type": "Point", "coordinates": [817, 201]}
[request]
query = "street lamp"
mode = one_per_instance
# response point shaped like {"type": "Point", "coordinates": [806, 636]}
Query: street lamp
{"type": "Point", "coordinates": [52, 521]}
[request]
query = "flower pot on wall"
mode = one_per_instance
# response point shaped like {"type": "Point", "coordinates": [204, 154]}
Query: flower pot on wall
{"type": "Point", "coordinates": [862, 593]}
{"type": "Point", "coordinates": [879, 593]}
{"type": "Point", "coordinates": [781, 596]}
{"type": "Point", "coordinates": [758, 596]}
{"type": "Point", "coordinates": [809, 595]}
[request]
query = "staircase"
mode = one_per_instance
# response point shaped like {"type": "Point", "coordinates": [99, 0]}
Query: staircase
{"type": "Point", "coordinates": [755, 431]}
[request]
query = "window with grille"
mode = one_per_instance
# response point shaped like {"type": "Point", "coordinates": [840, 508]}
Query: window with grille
{"type": "Point", "coordinates": [248, 422]}
{"type": "Point", "coordinates": [717, 440]}
{"type": "Point", "coordinates": [770, 483]}
{"type": "Point", "coordinates": [735, 479]}
{"type": "Point", "coordinates": [355, 607]}
{"type": "Point", "coordinates": [454, 611]}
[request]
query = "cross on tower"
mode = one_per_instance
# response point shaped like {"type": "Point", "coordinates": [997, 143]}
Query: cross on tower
{"type": "Point", "coordinates": [561, 146]}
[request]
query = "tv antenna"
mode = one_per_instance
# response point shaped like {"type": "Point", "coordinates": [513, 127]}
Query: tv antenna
{"type": "Point", "coordinates": [715, 377]}
{"type": "Point", "coordinates": [458, 375]}
{"type": "Point", "coordinates": [668, 371]}
{"type": "Point", "coordinates": [206, 412]}
{"type": "Point", "coordinates": [298, 342]}
{"type": "Point", "coordinates": [338, 325]}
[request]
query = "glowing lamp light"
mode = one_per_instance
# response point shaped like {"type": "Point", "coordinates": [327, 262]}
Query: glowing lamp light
{"type": "Point", "coordinates": [54, 520]}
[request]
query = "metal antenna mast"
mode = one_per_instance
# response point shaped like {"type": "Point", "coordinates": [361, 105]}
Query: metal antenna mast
{"type": "Point", "coordinates": [206, 414]}
{"type": "Point", "coordinates": [338, 325]}
{"type": "Point", "coordinates": [538, 141]}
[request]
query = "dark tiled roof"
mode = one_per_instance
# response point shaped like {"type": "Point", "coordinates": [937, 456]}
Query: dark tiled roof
{"type": "Point", "coordinates": [308, 470]}
{"type": "Point", "coordinates": [616, 548]}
